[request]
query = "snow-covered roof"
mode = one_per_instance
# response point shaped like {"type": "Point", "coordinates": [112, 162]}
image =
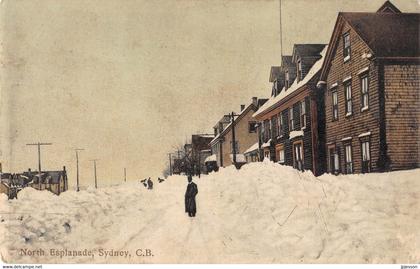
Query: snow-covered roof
{"type": "Point", "coordinates": [211, 158]}
{"type": "Point", "coordinates": [228, 126]}
{"type": "Point", "coordinates": [266, 144]}
{"type": "Point", "coordinates": [240, 158]}
{"type": "Point", "coordinates": [252, 148]}
{"type": "Point", "coordinates": [295, 86]}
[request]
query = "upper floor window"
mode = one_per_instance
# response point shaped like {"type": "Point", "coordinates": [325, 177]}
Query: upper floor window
{"type": "Point", "coordinates": [287, 79]}
{"type": "Point", "coordinates": [280, 123]}
{"type": "Point", "coordinates": [252, 127]}
{"type": "Point", "coordinates": [274, 126]}
{"type": "Point", "coordinates": [346, 47]}
{"type": "Point", "coordinates": [348, 95]}
{"type": "Point", "coordinates": [303, 114]}
{"type": "Point", "coordinates": [335, 105]}
{"type": "Point", "coordinates": [364, 81]}
{"type": "Point", "coordinates": [291, 120]}
{"type": "Point", "coordinates": [299, 70]}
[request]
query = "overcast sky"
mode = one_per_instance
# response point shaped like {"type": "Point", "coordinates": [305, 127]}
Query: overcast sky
{"type": "Point", "coordinates": [129, 80]}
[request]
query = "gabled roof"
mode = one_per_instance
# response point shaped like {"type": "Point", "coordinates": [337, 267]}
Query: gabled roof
{"type": "Point", "coordinates": [274, 73]}
{"type": "Point", "coordinates": [388, 7]}
{"type": "Point", "coordinates": [237, 119]}
{"type": "Point", "coordinates": [275, 101]}
{"type": "Point", "coordinates": [307, 50]}
{"type": "Point", "coordinates": [286, 60]}
{"type": "Point", "coordinates": [388, 35]}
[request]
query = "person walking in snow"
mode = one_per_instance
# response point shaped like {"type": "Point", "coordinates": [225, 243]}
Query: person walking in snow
{"type": "Point", "coordinates": [192, 190]}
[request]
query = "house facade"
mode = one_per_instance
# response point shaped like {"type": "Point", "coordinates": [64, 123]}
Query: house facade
{"type": "Point", "coordinates": [370, 80]}
{"type": "Point", "coordinates": [245, 135]}
{"type": "Point", "coordinates": [289, 122]}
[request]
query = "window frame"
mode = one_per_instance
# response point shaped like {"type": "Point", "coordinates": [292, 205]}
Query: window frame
{"type": "Point", "coordinates": [254, 124]}
{"type": "Point", "coordinates": [348, 101]}
{"type": "Point", "coordinates": [286, 79]}
{"type": "Point", "coordinates": [346, 49]}
{"type": "Point", "coordinates": [303, 114]}
{"type": "Point", "coordinates": [279, 149]}
{"type": "Point", "coordinates": [334, 106]}
{"type": "Point", "coordinates": [364, 141]}
{"type": "Point", "coordinates": [292, 123]}
{"type": "Point", "coordinates": [363, 106]}
{"type": "Point", "coordinates": [299, 70]}
{"type": "Point", "coordinates": [302, 155]}
{"type": "Point", "coordinates": [349, 168]}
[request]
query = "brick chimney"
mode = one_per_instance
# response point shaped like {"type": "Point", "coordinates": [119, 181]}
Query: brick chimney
{"type": "Point", "coordinates": [242, 107]}
{"type": "Point", "coordinates": [255, 101]}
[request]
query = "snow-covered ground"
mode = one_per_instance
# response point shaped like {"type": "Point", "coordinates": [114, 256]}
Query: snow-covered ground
{"type": "Point", "coordinates": [262, 213]}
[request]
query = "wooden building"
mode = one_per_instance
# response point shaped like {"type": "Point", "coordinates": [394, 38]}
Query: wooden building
{"type": "Point", "coordinates": [54, 181]}
{"type": "Point", "coordinates": [370, 79]}
{"type": "Point", "coordinates": [245, 135]}
{"type": "Point", "coordinates": [289, 120]}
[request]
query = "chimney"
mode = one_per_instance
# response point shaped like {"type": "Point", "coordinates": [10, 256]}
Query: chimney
{"type": "Point", "coordinates": [64, 168]}
{"type": "Point", "coordinates": [29, 170]}
{"type": "Point", "coordinates": [242, 107]}
{"type": "Point", "coordinates": [255, 101]}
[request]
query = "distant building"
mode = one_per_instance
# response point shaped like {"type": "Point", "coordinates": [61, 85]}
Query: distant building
{"type": "Point", "coordinates": [54, 181]}
{"type": "Point", "coordinates": [245, 135]}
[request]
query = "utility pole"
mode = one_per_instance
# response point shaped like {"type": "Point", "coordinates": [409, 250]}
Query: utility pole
{"type": "Point", "coordinates": [39, 144]}
{"type": "Point", "coordinates": [77, 163]}
{"type": "Point", "coordinates": [170, 163]}
{"type": "Point", "coordinates": [232, 120]}
{"type": "Point", "coordinates": [125, 174]}
{"type": "Point", "coordinates": [94, 172]}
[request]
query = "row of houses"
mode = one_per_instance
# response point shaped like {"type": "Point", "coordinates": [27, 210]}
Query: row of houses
{"type": "Point", "coordinates": [349, 106]}
{"type": "Point", "coordinates": [53, 181]}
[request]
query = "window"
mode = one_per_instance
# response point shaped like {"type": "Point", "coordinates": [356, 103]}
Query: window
{"type": "Point", "coordinates": [287, 78]}
{"type": "Point", "coordinates": [236, 147]}
{"type": "Point", "coordinates": [291, 120]}
{"type": "Point", "coordinates": [335, 105]}
{"type": "Point", "coordinates": [270, 128]}
{"type": "Point", "coordinates": [346, 47]}
{"type": "Point", "coordinates": [303, 114]}
{"type": "Point", "coordinates": [281, 124]}
{"type": "Point", "coordinates": [298, 155]}
{"type": "Point", "coordinates": [266, 130]}
{"type": "Point", "coordinates": [349, 104]}
{"type": "Point", "coordinates": [364, 80]}
{"type": "Point", "coordinates": [365, 156]}
{"type": "Point", "coordinates": [349, 159]}
{"type": "Point", "coordinates": [334, 160]}
{"type": "Point", "coordinates": [252, 127]}
{"type": "Point", "coordinates": [280, 153]}
{"type": "Point", "coordinates": [299, 70]}
{"type": "Point", "coordinates": [274, 128]}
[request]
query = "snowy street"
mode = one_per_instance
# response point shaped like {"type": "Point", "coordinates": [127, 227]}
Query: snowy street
{"type": "Point", "coordinates": [263, 213]}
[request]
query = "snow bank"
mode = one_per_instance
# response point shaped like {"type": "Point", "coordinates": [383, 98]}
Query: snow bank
{"type": "Point", "coordinates": [262, 213]}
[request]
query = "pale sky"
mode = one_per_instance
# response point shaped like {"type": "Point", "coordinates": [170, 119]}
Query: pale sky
{"type": "Point", "coordinates": [130, 80]}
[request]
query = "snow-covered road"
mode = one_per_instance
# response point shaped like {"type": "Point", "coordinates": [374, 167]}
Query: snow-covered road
{"type": "Point", "coordinates": [262, 213]}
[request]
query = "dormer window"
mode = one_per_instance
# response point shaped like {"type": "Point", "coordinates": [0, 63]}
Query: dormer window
{"type": "Point", "coordinates": [346, 47]}
{"type": "Point", "coordinates": [299, 70]}
{"type": "Point", "coordinates": [287, 78]}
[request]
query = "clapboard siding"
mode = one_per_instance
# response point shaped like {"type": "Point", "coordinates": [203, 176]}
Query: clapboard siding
{"type": "Point", "coordinates": [402, 114]}
{"type": "Point", "coordinates": [360, 121]}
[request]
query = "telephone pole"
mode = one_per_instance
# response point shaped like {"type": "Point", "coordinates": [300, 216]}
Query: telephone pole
{"type": "Point", "coordinates": [94, 172]}
{"type": "Point", "coordinates": [77, 163]}
{"type": "Point", "coordinates": [39, 144]}
{"type": "Point", "coordinates": [125, 174]}
{"type": "Point", "coordinates": [232, 120]}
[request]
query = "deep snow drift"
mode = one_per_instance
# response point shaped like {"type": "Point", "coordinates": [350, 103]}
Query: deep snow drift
{"type": "Point", "coordinates": [262, 213]}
